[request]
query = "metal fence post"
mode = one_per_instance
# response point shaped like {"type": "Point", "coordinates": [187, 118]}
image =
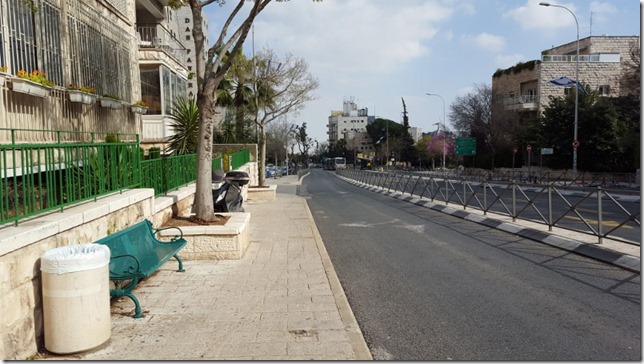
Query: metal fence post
{"type": "Point", "coordinates": [464, 194]}
{"type": "Point", "coordinates": [446, 191]}
{"type": "Point", "coordinates": [599, 214]}
{"type": "Point", "coordinates": [514, 202]}
{"type": "Point", "coordinates": [550, 187]}
{"type": "Point", "coordinates": [485, 185]}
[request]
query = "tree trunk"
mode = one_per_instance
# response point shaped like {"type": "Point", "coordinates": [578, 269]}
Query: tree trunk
{"type": "Point", "coordinates": [205, 209]}
{"type": "Point", "coordinates": [262, 155]}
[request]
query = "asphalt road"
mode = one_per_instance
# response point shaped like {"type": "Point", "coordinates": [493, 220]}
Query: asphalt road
{"type": "Point", "coordinates": [427, 286]}
{"type": "Point", "coordinates": [617, 216]}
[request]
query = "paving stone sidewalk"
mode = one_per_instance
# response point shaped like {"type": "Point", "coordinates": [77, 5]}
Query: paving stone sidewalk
{"type": "Point", "coordinates": [282, 301]}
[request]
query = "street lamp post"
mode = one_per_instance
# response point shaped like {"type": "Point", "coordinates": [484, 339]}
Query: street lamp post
{"type": "Point", "coordinates": [444, 128]}
{"type": "Point", "coordinates": [575, 142]}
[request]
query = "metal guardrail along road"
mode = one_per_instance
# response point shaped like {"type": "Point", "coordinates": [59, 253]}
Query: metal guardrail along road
{"type": "Point", "coordinates": [595, 211]}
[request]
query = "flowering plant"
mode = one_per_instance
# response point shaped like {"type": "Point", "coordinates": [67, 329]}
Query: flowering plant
{"type": "Point", "coordinates": [4, 68]}
{"type": "Point", "coordinates": [141, 103]}
{"type": "Point", "coordinates": [35, 76]}
{"type": "Point", "coordinates": [88, 89]}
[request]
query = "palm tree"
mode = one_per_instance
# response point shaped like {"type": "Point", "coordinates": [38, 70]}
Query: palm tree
{"type": "Point", "coordinates": [236, 92]}
{"type": "Point", "coordinates": [185, 123]}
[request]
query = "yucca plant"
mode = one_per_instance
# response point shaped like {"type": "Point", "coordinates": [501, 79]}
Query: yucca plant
{"type": "Point", "coordinates": [185, 123]}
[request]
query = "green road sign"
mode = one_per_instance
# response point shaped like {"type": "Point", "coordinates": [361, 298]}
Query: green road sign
{"type": "Point", "coordinates": [465, 147]}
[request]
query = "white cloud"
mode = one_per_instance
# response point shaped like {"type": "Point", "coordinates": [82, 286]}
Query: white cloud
{"type": "Point", "coordinates": [601, 11]}
{"type": "Point", "coordinates": [347, 37]}
{"type": "Point", "coordinates": [533, 16]}
{"type": "Point", "coordinates": [508, 60]}
{"type": "Point", "coordinates": [464, 91]}
{"type": "Point", "coordinates": [486, 41]}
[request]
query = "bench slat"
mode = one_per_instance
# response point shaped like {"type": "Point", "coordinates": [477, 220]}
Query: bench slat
{"type": "Point", "coordinates": [136, 254]}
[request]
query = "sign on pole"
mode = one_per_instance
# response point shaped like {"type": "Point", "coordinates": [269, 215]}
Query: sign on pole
{"type": "Point", "coordinates": [546, 151]}
{"type": "Point", "coordinates": [465, 147]}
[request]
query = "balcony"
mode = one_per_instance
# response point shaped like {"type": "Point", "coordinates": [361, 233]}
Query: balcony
{"type": "Point", "coordinates": [522, 103]}
{"type": "Point", "coordinates": [156, 37]}
{"type": "Point", "coordinates": [592, 58]}
{"type": "Point", "coordinates": [153, 7]}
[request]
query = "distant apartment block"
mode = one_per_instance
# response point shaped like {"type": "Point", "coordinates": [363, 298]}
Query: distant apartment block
{"type": "Point", "coordinates": [350, 124]}
{"type": "Point", "coordinates": [524, 90]}
{"type": "Point", "coordinates": [416, 133]}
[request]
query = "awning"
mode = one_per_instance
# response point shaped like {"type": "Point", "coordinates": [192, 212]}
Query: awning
{"type": "Point", "coordinates": [567, 82]}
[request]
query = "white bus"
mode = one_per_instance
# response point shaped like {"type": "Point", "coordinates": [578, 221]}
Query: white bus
{"type": "Point", "coordinates": [340, 163]}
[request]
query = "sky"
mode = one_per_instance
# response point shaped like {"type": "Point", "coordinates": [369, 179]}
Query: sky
{"type": "Point", "coordinates": [379, 51]}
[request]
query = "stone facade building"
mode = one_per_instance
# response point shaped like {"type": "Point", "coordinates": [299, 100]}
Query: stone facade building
{"type": "Point", "coordinates": [522, 91]}
{"type": "Point", "coordinates": [119, 52]}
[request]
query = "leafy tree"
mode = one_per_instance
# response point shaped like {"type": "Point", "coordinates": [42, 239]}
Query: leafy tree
{"type": "Point", "coordinates": [303, 143]}
{"type": "Point", "coordinates": [421, 148]}
{"type": "Point", "coordinates": [209, 73]}
{"type": "Point", "coordinates": [235, 92]}
{"type": "Point", "coordinates": [184, 116]}
{"type": "Point", "coordinates": [284, 86]}
{"type": "Point", "coordinates": [387, 134]}
{"type": "Point", "coordinates": [225, 133]}
{"type": "Point", "coordinates": [408, 152]}
{"type": "Point", "coordinates": [601, 129]}
{"type": "Point", "coordinates": [633, 76]}
{"type": "Point", "coordinates": [435, 148]}
{"type": "Point", "coordinates": [473, 114]}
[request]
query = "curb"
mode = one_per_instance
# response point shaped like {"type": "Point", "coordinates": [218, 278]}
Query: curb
{"type": "Point", "coordinates": [354, 333]}
{"type": "Point", "coordinates": [622, 260]}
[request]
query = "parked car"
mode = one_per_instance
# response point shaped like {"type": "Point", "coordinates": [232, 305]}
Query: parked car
{"type": "Point", "coordinates": [270, 170]}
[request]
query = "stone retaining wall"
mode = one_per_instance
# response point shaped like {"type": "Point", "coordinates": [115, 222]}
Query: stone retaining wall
{"type": "Point", "coordinates": [21, 321]}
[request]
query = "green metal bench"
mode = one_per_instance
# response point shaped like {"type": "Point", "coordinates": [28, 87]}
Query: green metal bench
{"type": "Point", "coordinates": [135, 254]}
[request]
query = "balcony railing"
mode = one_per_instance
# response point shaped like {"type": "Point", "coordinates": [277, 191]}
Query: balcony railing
{"type": "Point", "coordinates": [523, 99]}
{"type": "Point", "coordinates": [596, 58]}
{"type": "Point", "coordinates": [156, 36]}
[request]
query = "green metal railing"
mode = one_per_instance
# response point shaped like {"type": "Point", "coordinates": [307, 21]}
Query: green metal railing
{"type": "Point", "coordinates": [42, 177]}
{"type": "Point", "coordinates": [239, 158]}
{"type": "Point", "coordinates": [36, 178]}
{"type": "Point", "coordinates": [167, 174]}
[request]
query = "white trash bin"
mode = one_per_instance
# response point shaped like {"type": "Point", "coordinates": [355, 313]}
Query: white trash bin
{"type": "Point", "coordinates": [76, 297]}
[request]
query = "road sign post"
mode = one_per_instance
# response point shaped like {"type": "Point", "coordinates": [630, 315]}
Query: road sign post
{"type": "Point", "coordinates": [466, 147]}
{"type": "Point", "coordinates": [514, 153]}
{"type": "Point", "coordinates": [529, 149]}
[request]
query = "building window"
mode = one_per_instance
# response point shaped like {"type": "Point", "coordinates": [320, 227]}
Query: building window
{"type": "Point", "coordinates": [151, 90]}
{"type": "Point", "coordinates": [604, 90]}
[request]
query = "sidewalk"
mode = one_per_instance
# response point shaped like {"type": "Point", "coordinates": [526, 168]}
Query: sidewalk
{"type": "Point", "coordinates": [282, 301]}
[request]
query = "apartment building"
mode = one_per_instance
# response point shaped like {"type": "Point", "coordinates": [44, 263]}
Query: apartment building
{"type": "Point", "coordinates": [121, 51]}
{"type": "Point", "coordinates": [186, 24]}
{"type": "Point", "coordinates": [350, 124]}
{"type": "Point", "coordinates": [91, 60]}
{"type": "Point", "coordinates": [522, 91]}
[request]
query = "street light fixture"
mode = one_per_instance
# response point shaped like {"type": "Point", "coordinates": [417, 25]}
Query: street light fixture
{"type": "Point", "coordinates": [444, 128]}
{"type": "Point", "coordinates": [574, 139]}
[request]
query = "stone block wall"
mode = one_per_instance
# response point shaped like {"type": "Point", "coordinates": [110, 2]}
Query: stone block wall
{"type": "Point", "coordinates": [21, 311]}
{"type": "Point", "coordinates": [21, 321]}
